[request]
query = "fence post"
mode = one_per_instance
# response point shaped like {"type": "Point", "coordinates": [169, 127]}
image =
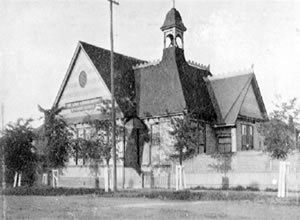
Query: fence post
{"type": "Point", "coordinates": [55, 178]}
{"type": "Point", "coordinates": [19, 179]}
{"type": "Point", "coordinates": [106, 179]}
{"type": "Point", "coordinates": [282, 180]}
{"type": "Point", "coordinates": [180, 178]}
{"type": "Point", "coordinates": [15, 179]}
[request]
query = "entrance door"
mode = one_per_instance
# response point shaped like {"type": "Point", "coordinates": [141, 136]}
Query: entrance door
{"type": "Point", "coordinates": [247, 137]}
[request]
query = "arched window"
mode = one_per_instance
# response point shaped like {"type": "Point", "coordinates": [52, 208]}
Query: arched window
{"type": "Point", "coordinates": [179, 41]}
{"type": "Point", "coordinates": [170, 41]}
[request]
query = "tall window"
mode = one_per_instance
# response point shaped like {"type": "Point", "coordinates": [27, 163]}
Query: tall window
{"type": "Point", "coordinates": [155, 144]}
{"type": "Point", "coordinates": [247, 137]}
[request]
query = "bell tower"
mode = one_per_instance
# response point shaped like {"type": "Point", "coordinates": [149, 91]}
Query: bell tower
{"type": "Point", "coordinates": [173, 29]}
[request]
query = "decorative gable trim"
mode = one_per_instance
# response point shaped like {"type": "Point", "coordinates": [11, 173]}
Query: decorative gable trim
{"type": "Point", "coordinates": [259, 98]}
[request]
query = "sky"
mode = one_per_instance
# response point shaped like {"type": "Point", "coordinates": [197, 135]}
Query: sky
{"type": "Point", "coordinates": [39, 37]}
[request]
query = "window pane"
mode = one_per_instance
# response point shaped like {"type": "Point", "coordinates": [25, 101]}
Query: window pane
{"type": "Point", "coordinates": [155, 144]}
{"type": "Point", "coordinates": [250, 130]}
{"type": "Point", "coordinates": [155, 135]}
{"type": "Point", "coordinates": [243, 129]}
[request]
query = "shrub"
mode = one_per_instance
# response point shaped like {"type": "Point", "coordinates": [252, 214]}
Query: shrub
{"type": "Point", "coordinates": [238, 188]}
{"type": "Point", "coordinates": [270, 190]}
{"type": "Point", "coordinates": [163, 194]}
{"type": "Point", "coordinates": [252, 188]}
{"type": "Point", "coordinates": [49, 191]}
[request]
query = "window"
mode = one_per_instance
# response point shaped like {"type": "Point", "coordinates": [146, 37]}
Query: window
{"type": "Point", "coordinates": [155, 131]}
{"type": "Point", "coordinates": [251, 130]}
{"type": "Point", "coordinates": [155, 144]}
{"type": "Point", "coordinates": [247, 137]}
{"type": "Point", "coordinates": [224, 144]}
{"type": "Point", "coordinates": [244, 128]}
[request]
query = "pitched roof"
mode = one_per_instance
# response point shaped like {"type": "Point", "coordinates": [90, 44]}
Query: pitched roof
{"type": "Point", "coordinates": [124, 74]}
{"type": "Point", "coordinates": [171, 87]}
{"type": "Point", "coordinates": [173, 19]}
{"type": "Point", "coordinates": [230, 93]}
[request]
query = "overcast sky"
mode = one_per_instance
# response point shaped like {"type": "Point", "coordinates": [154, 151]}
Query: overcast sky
{"type": "Point", "coordinates": [39, 37]}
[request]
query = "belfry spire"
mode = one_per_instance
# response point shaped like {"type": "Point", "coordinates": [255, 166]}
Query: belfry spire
{"type": "Point", "coordinates": [173, 29]}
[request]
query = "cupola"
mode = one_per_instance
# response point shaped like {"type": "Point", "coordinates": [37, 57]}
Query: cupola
{"type": "Point", "coordinates": [173, 29]}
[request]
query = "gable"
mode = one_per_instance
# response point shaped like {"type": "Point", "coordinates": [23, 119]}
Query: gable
{"type": "Point", "coordinates": [84, 89]}
{"type": "Point", "coordinates": [95, 62]}
{"type": "Point", "coordinates": [229, 94]}
{"type": "Point", "coordinates": [250, 107]}
{"type": "Point", "coordinates": [94, 87]}
{"type": "Point", "coordinates": [238, 96]}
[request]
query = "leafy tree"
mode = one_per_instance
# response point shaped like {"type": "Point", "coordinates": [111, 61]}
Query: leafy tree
{"type": "Point", "coordinates": [57, 138]}
{"type": "Point", "coordinates": [223, 165]}
{"type": "Point", "coordinates": [99, 147]}
{"type": "Point", "coordinates": [79, 149]}
{"type": "Point", "coordinates": [224, 160]}
{"type": "Point", "coordinates": [20, 156]}
{"type": "Point", "coordinates": [279, 131]}
{"type": "Point", "coordinates": [186, 131]}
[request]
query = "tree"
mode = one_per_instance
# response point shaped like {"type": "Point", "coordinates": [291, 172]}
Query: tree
{"type": "Point", "coordinates": [186, 131]}
{"type": "Point", "coordinates": [20, 156]}
{"type": "Point", "coordinates": [57, 138]}
{"type": "Point", "coordinates": [279, 131]}
{"type": "Point", "coordinates": [79, 149]}
{"type": "Point", "coordinates": [223, 165]}
{"type": "Point", "coordinates": [99, 146]}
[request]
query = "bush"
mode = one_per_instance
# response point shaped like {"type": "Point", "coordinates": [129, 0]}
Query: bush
{"type": "Point", "coordinates": [204, 188]}
{"type": "Point", "coordinates": [49, 191]}
{"type": "Point", "coordinates": [252, 188]}
{"type": "Point", "coordinates": [238, 188]}
{"type": "Point", "coordinates": [162, 194]}
{"type": "Point", "coordinates": [271, 190]}
{"type": "Point", "coordinates": [189, 195]}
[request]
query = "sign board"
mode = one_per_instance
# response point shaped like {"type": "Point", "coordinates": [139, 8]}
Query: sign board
{"type": "Point", "coordinates": [84, 105]}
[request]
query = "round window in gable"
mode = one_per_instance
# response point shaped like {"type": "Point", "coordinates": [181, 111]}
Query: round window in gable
{"type": "Point", "coordinates": [82, 79]}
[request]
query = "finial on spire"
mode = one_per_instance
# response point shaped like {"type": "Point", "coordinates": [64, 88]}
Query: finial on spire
{"type": "Point", "coordinates": [173, 3]}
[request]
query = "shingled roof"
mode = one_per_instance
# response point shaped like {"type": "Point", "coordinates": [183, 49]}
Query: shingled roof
{"type": "Point", "coordinates": [230, 93]}
{"type": "Point", "coordinates": [173, 19]}
{"type": "Point", "coordinates": [172, 86]}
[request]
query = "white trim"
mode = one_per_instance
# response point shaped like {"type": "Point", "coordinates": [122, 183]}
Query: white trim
{"type": "Point", "coordinates": [233, 140]}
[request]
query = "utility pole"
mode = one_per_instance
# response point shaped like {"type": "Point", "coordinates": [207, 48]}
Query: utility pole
{"type": "Point", "coordinates": [113, 114]}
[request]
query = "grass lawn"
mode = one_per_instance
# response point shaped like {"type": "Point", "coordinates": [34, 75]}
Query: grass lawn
{"type": "Point", "coordinates": [94, 207]}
